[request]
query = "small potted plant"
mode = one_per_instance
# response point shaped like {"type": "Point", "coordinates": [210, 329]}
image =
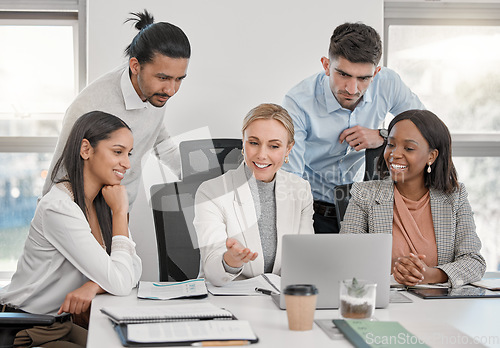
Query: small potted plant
{"type": "Point", "coordinates": [357, 298]}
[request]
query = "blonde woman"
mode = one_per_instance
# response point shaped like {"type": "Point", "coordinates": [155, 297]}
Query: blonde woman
{"type": "Point", "coordinates": [241, 216]}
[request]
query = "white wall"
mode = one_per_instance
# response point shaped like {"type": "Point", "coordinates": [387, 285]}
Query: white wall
{"type": "Point", "coordinates": [243, 53]}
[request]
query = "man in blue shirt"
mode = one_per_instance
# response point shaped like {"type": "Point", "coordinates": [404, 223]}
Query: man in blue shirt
{"type": "Point", "coordinates": [337, 114]}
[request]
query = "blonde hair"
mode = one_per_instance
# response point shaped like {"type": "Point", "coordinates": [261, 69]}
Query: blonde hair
{"type": "Point", "coordinates": [270, 112]}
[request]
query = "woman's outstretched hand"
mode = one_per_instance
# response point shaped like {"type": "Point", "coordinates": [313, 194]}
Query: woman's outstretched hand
{"type": "Point", "coordinates": [237, 255]}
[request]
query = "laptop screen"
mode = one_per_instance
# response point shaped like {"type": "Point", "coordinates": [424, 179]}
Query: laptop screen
{"type": "Point", "coordinates": [326, 259]}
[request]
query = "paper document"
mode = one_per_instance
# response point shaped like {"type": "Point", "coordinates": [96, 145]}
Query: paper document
{"type": "Point", "coordinates": [170, 290]}
{"type": "Point", "coordinates": [204, 330]}
{"type": "Point", "coordinates": [246, 287]}
{"type": "Point", "coordinates": [488, 283]}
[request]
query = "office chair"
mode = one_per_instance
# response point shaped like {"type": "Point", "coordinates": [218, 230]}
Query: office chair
{"type": "Point", "coordinates": [342, 193]}
{"type": "Point", "coordinates": [11, 323]}
{"type": "Point", "coordinates": [173, 204]}
{"type": "Point", "coordinates": [371, 158]}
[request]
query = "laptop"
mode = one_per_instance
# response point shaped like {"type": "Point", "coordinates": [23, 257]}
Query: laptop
{"type": "Point", "coordinates": [326, 259]}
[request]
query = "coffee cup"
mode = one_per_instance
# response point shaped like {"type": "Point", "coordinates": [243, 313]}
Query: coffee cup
{"type": "Point", "coordinates": [300, 302]}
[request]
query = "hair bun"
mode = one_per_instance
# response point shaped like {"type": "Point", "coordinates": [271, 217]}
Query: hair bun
{"type": "Point", "coordinates": [141, 19]}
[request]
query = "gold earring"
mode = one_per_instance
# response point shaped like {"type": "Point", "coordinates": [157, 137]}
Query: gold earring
{"type": "Point", "coordinates": [286, 159]}
{"type": "Point", "coordinates": [242, 152]}
{"type": "Point", "coordinates": [429, 170]}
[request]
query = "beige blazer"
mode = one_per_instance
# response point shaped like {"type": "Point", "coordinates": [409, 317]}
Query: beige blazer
{"type": "Point", "coordinates": [224, 208]}
{"type": "Point", "coordinates": [371, 210]}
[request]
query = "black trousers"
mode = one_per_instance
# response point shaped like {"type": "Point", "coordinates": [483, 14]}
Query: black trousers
{"type": "Point", "coordinates": [323, 224]}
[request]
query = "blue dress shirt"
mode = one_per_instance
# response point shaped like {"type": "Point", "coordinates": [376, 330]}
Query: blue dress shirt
{"type": "Point", "coordinates": [319, 119]}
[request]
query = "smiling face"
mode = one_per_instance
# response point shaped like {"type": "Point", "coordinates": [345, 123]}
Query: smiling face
{"type": "Point", "coordinates": [158, 80]}
{"type": "Point", "coordinates": [107, 163]}
{"type": "Point", "coordinates": [407, 154]}
{"type": "Point", "coordinates": [265, 144]}
{"type": "Point", "coordinates": [348, 81]}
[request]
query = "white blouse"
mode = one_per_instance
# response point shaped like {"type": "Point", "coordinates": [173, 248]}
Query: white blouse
{"type": "Point", "coordinates": [61, 254]}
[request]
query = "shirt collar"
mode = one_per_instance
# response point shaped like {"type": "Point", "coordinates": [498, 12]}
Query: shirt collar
{"type": "Point", "coordinates": [333, 105]}
{"type": "Point", "coordinates": [130, 96]}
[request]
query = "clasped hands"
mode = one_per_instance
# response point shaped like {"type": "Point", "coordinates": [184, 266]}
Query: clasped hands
{"type": "Point", "coordinates": [411, 270]}
{"type": "Point", "coordinates": [237, 255]}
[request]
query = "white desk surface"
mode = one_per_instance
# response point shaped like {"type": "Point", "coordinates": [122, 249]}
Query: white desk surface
{"type": "Point", "coordinates": [478, 318]}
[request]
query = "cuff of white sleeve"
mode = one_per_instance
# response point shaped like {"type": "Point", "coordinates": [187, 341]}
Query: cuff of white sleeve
{"type": "Point", "coordinates": [229, 269]}
{"type": "Point", "coordinates": [122, 243]}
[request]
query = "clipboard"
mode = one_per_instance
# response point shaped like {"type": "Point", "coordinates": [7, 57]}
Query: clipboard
{"type": "Point", "coordinates": [222, 339]}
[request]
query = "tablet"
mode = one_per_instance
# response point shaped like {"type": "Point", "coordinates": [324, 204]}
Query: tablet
{"type": "Point", "coordinates": [462, 292]}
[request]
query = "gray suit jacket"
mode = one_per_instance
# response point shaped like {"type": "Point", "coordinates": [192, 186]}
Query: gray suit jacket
{"type": "Point", "coordinates": [370, 210]}
{"type": "Point", "coordinates": [224, 207]}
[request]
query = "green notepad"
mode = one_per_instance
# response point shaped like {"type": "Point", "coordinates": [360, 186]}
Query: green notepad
{"type": "Point", "coordinates": [366, 333]}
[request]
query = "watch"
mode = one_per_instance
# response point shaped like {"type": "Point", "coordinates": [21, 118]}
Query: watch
{"type": "Point", "coordinates": [383, 133]}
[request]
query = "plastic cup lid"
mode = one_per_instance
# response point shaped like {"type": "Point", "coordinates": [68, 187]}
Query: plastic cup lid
{"type": "Point", "coordinates": [301, 290]}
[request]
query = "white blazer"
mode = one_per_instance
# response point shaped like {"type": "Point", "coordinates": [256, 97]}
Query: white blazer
{"type": "Point", "coordinates": [224, 208]}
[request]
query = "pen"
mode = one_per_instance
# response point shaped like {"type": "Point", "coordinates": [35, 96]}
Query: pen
{"type": "Point", "coordinates": [220, 343]}
{"type": "Point", "coordinates": [264, 291]}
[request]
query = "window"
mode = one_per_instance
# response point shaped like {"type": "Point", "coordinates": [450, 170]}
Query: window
{"type": "Point", "coordinates": [20, 185]}
{"type": "Point", "coordinates": [448, 54]}
{"type": "Point", "coordinates": [453, 70]}
{"type": "Point", "coordinates": [38, 77]}
{"type": "Point", "coordinates": [42, 68]}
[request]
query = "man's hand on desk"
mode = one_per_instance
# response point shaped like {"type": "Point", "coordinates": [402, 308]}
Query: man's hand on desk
{"type": "Point", "coordinates": [360, 138]}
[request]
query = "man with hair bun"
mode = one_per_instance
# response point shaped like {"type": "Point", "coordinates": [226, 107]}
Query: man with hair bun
{"type": "Point", "coordinates": [338, 112]}
{"type": "Point", "coordinates": [137, 92]}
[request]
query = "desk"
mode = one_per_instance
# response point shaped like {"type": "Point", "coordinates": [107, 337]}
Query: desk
{"type": "Point", "coordinates": [474, 317]}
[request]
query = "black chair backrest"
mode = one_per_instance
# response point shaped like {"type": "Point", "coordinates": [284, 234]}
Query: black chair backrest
{"type": "Point", "coordinates": [209, 155]}
{"type": "Point", "coordinates": [11, 323]}
{"type": "Point", "coordinates": [371, 158]}
{"type": "Point", "coordinates": [342, 193]}
{"type": "Point", "coordinates": [173, 204]}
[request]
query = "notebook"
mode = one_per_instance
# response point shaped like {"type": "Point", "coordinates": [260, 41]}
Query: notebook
{"type": "Point", "coordinates": [326, 259]}
{"type": "Point", "coordinates": [164, 313]}
{"type": "Point", "coordinates": [366, 334]}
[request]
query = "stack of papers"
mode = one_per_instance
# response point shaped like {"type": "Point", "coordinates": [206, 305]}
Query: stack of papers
{"type": "Point", "coordinates": [246, 287]}
{"type": "Point", "coordinates": [194, 333]}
